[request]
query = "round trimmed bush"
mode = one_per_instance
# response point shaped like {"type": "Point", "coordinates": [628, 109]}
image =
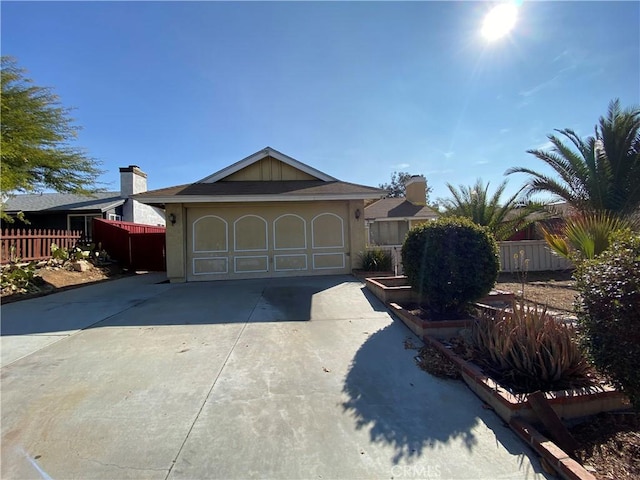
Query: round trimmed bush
{"type": "Point", "coordinates": [609, 314]}
{"type": "Point", "coordinates": [450, 262]}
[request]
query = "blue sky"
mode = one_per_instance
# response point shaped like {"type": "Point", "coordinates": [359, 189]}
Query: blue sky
{"type": "Point", "coordinates": [357, 90]}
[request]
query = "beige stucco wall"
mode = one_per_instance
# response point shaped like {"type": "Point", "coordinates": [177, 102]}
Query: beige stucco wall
{"type": "Point", "coordinates": [175, 237]}
{"type": "Point", "coordinates": [357, 232]}
{"type": "Point", "coordinates": [180, 238]}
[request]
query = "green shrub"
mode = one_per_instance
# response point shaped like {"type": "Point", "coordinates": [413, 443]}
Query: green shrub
{"type": "Point", "coordinates": [529, 349]}
{"type": "Point", "coordinates": [376, 260]}
{"type": "Point", "coordinates": [58, 253]}
{"type": "Point", "coordinates": [450, 262]}
{"type": "Point", "coordinates": [609, 313]}
{"type": "Point", "coordinates": [18, 278]}
{"type": "Point", "coordinates": [79, 252]}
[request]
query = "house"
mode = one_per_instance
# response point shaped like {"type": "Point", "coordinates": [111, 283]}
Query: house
{"type": "Point", "coordinates": [268, 215]}
{"type": "Point", "coordinates": [389, 219]}
{"type": "Point", "coordinates": [65, 211]}
{"type": "Point", "coordinates": [551, 218]}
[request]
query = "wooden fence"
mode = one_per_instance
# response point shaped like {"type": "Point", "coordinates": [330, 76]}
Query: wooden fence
{"type": "Point", "coordinates": [140, 247]}
{"type": "Point", "coordinates": [26, 245]}
{"type": "Point", "coordinates": [539, 257]}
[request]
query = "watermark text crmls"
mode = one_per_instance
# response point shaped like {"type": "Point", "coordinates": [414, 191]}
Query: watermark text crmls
{"type": "Point", "coordinates": [426, 472]}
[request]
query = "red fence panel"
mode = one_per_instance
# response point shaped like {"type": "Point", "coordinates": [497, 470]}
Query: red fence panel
{"type": "Point", "coordinates": [113, 239]}
{"type": "Point", "coordinates": [134, 227]}
{"type": "Point", "coordinates": [28, 245]}
{"type": "Point", "coordinates": [140, 247]}
{"type": "Point", "coordinates": [148, 251]}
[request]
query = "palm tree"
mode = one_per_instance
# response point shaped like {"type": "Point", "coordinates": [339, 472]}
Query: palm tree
{"type": "Point", "coordinates": [502, 218]}
{"type": "Point", "coordinates": [596, 174]}
{"type": "Point", "coordinates": [585, 236]}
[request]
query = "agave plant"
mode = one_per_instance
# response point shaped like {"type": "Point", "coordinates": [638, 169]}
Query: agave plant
{"type": "Point", "coordinates": [530, 348]}
{"type": "Point", "coordinates": [585, 236]}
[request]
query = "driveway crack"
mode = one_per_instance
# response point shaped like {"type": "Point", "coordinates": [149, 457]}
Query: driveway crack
{"type": "Point", "coordinates": [121, 467]}
{"type": "Point", "coordinates": [215, 380]}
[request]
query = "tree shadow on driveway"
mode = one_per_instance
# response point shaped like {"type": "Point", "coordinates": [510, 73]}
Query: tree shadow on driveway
{"type": "Point", "coordinates": [412, 411]}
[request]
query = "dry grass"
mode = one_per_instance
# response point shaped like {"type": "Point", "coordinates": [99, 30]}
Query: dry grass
{"type": "Point", "coordinates": [556, 290]}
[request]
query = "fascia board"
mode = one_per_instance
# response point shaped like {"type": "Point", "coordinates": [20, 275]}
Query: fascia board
{"type": "Point", "coordinates": [251, 198]}
{"type": "Point", "coordinates": [396, 219]}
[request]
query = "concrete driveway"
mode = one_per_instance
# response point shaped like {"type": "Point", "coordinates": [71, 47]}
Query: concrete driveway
{"type": "Point", "coordinates": [297, 379]}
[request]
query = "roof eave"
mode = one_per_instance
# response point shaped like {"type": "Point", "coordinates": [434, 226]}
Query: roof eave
{"type": "Point", "coordinates": [394, 219]}
{"type": "Point", "coordinates": [251, 198]}
{"type": "Point", "coordinates": [113, 205]}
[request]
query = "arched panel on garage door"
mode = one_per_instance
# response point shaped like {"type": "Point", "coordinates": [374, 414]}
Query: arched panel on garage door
{"type": "Point", "coordinates": [290, 243]}
{"type": "Point", "coordinates": [289, 232]}
{"type": "Point", "coordinates": [210, 234]}
{"type": "Point", "coordinates": [327, 231]}
{"type": "Point", "coordinates": [250, 234]}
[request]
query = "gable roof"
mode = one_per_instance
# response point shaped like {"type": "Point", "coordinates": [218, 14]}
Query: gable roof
{"type": "Point", "coordinates": [259, 155]}
{"type": "Point", "coordinates": [62, 202]}
{"type": "Point", "coordinates": [215, 188]}
{"type": "Point", "coordinates": [397, 208]}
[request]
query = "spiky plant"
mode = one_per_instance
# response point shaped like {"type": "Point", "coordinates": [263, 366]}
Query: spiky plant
{"type": "Point", "coordinates": [530, 349]}
{"type": "Point", "coordinates": [584, 236]}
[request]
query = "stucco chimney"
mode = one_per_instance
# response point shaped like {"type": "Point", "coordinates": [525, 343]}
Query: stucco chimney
{"type": "Point", "coordinates": [416, 190]}
{"type": "Point", "coordinates": [132, 181]}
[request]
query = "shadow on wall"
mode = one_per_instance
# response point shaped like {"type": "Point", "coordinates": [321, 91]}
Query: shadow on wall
{"type": "Point", "coordinates": [410, 410]}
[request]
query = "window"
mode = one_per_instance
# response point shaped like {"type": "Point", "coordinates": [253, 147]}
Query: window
{"type": "Point", "coordinates": [84, 223]}
{"type": "Point", "coordinates": [113, 216]}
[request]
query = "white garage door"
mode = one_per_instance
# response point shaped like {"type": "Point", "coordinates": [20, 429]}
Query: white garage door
{"type": "Point", "coordinates": [253, 241]}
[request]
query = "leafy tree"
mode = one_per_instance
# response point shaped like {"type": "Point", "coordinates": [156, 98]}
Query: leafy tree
{"type": "Point", "coordinates": [36, 136]}
{"type": "Point", "coordinates": [396, 188]}
{"type": "Point", "coordinates": [599, 173]}
{"type": "Point", "coordinates": [502, 218]}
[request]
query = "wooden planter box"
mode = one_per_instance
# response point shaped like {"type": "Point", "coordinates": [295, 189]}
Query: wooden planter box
{"type": "Point", "coordinates": [363, 275]}
{"type": "Point", "coordinates": [580, 402]}
{"type": "Point", "coordinates": [392, 290]}
{"type": "Point", "coordinates": [396, 289]}
{"type": "Point", "coordinates": [441, 329]}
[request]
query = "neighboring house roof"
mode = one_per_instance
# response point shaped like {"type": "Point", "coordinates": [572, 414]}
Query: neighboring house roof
{"type": "Point", "coordinates": [63, 202]}
{"type": "Point", "coordinates": [216, 188]}
{"type": "Point", "coordinates": [550, 211]}
{"type": "Point", "coordinates": [397, 208]}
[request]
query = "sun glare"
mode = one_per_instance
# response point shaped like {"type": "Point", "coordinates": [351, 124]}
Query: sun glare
{"type": "Point", "coordinates": [499, 21]}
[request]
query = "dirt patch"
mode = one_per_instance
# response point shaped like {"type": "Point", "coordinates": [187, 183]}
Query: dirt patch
{"type": "Point", "coordinates": [52, 279]}
{"type": "Point", "coordinates": [610, 444]}
{"type": "Point", "coordinates": [556, 290]}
